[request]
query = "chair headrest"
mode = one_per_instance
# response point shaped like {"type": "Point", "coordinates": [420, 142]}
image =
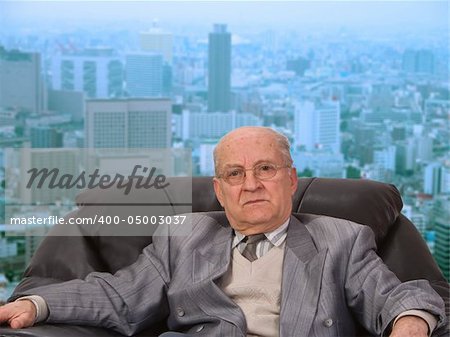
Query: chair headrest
{"type": "Point", "coordinates": [363, 201]}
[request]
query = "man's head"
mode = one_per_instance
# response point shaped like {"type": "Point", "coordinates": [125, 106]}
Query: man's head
{"type": "Point", "coordinates": [258, 202]}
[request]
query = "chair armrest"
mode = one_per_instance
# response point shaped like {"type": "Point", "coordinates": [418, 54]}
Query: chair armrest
{"type": "Point", "coordinates": [58, 330]}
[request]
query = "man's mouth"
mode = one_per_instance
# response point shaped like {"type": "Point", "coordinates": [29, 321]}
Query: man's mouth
{"type": "Point", "coordinates": [253, 202]}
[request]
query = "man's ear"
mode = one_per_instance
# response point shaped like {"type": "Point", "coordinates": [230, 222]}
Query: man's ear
{"type": "Point", "coordinates": [294, 180]}
{"type": "Point", "coordinates": [218, 190]}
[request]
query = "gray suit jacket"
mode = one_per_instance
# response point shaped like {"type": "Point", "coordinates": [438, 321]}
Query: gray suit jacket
{"type": "Point", "coordinates": [331, 276]}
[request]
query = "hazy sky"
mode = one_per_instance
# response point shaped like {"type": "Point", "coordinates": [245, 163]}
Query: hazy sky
{"type": "Point", "coordinates": [271, 13]}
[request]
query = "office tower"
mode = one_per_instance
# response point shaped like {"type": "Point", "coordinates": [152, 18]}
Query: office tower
{"type": "Point", "coordinates": [46, 137]}
{"type": "Point", "coordinates": [405, 157]}
{"type": "Point", "coordinates": [385, 157]}
{"type": "Point", "coordinates": [65, 160]}
{"type": "Point", "coordinates": [157, 41]}
{"type": "Point", "coordinates": [206, 158]}
{"type": "Point", "coordinates": [298, 65]}
{"type": "Point", "coordinates": [409, 61]}
{"type": "Point", "coordinates": [219, 69]}
{"type": "Point", "coordinates": [67, 102]}
{"type": "Point", "coordinates": [321, 163]}
{"type": "Point", "coordinates": [432, 178]}
{"type": "Point", "coordinates": [418, 61]}
{"type": "Point", "coordinates": [425, 61]}
{"type": "Point", "coordinates": [398, 133]}
{"type": "Point", "coordinates": [316, 125]}
{"type": "Point", "coordinates": [445, 179]}
{"type": "Point", "coordinates": [442, 228]}
{"type": "Point", "coordinates": [424, 148]}
{"type": "Point", "coordinates": [21, 84]}
{"type": "Point", "coordinates": [214, 125]}
{"type": "Point", "coordinates": [128, 123]}
{"type": "Point", "coordinates": [98, 72]}
{"type": "Point", "coordinates": [144, 75]}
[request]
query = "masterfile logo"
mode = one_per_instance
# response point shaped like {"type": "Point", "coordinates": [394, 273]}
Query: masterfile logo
{"type": "Point", "coordinates": [52, 178]}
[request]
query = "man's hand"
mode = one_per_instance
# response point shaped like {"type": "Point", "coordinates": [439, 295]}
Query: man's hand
{"type": "Point", "coordinates": [410, 326]}
{"type": "Point", "coordinates": [19, 314]}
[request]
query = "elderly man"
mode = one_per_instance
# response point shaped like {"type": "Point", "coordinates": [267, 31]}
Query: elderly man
{"type": "Point", "coordinates": [253, 271]}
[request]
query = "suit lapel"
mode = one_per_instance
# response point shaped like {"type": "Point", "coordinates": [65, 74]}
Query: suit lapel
{"type": "Point", "coordinates": [302, 277]}
{"type": "Point", "coordinates": [210, 262]}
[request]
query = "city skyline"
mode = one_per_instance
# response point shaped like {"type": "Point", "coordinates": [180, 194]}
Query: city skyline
{"type": "Point", "coordinates": [354, 104]}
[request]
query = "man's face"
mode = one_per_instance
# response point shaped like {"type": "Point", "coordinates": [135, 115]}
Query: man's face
{"type": "Point", "coordinates": [255, 206]}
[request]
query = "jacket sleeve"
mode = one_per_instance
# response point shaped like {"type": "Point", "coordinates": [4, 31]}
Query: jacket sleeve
{"type": "Point", "coordinates": [128, 301]}
{"type": "Point", "coordinates": [376, 295]}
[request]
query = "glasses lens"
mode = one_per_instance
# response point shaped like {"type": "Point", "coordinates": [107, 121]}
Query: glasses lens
{"type": "Point", "coordinates": [265, 170]}
{"type": "Point", "coordinates": [234, 175]}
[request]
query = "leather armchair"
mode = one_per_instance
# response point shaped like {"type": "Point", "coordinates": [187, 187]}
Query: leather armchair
{"type": "Point", "coordinates": [374, 204]}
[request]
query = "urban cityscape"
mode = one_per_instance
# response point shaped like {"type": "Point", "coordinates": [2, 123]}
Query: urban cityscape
{"type": "Point", "coordinates": [361, 89]}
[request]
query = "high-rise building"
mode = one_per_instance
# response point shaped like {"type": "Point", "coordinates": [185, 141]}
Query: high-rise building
{"type": "Point", "coordinates": [405, 157]}
{"type": "Point", "coordinates": [206, 161]}
{"type": "Point", "coordinates": [219, 69]}
{"type": "Point", "coordinates": [424, 148]}
{"type": "Point", "coordinates": [298, 65]}
{"type": "Point", "coordinates": [144, 75]}
{"type": "Point", "coordinates": [98, 72]}
{"type": "Point", "coordinates": [418, 61]}
{"type": "Point", "coordinates": [385, 157]}
{"type": "Point", "coordinates": [316, 125]}
{"type": "Point", "coordinates": [207, 125]}
{"type": "Point", "coordinates": [432, 178]}
{"type": "Point", "coordinates": [21, 84]}
{"type": "Point", "coordinates": [128, 123]}
{"type": "Point", "coordinates": [321, 163]}
{"type": "Point", "coordinates": [46, 137]}
{"type": "Point", "coordinates": [156, 40]}
{"type": "Point", "coordinates": [63, 159]}
{"type": "Point", "coordinates": [445, 179]}
{"type": "Point", "coordinates": [442, 228]}
{"type": "Point", "coordinates": [67, 102]}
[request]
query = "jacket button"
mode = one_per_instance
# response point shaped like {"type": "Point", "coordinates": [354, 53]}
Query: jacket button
{"type": "Point", "coordinates": [199, 328]}
{"type": "Point", "coordinates": [328, 322]}
{"type": "Point", "coordinates": [180, 312]}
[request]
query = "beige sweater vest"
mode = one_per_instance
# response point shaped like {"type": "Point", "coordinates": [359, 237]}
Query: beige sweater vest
{"type": "Point", "coordinates": [256, 288]}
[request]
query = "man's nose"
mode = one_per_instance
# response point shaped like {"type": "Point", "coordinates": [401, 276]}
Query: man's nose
{"type": "Point", "coordinates": [250, 181]}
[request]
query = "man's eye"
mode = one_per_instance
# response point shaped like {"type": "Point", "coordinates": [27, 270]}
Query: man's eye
{"type": "Point", "coordinates": [234, 173]}
{"type": "Point", "coordinates": [266, 167]}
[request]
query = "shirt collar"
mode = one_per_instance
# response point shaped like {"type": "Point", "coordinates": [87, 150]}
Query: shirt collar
{"type": "Point", "coordinates": [276, 237]}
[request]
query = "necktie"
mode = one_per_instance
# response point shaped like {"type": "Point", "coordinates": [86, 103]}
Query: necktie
{"type": "Point", "coordinates": [249, 251]}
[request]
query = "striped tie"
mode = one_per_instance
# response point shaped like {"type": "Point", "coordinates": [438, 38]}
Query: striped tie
{"type": "Point", "coordinates": [252, 241]}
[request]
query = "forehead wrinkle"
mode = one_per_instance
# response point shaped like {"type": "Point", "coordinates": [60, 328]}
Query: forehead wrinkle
{"type": "Point", "coordinates": [259, 161]}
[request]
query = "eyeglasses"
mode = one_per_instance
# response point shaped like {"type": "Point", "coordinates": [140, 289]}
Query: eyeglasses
{"type": "Point", "coordinates": [263, 171]}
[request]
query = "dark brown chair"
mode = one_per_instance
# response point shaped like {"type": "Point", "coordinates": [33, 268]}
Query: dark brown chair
{"type": "Point", "coordinates": [374, 204]}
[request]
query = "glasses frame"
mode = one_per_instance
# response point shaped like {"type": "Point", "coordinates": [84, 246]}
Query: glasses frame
{"type": "Point", "coordinates": [277, 168]}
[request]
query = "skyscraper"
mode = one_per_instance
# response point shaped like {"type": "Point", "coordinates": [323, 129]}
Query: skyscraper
{"type": "Point", "coordinates": [46, 137]}
{"type": "Point", "coordinates": [219, 69]}
{"type": "Point", "coordinates": [442, 227]}
{"type": "Point", "coordinates": [432, 178]}
{"type": "Point", "coordinates": [418, 61]}
{"type": "Point", "coordinates": [98, 72]}
{"type": "Point", "coordinates": [158, 41]}
{"type": "Point", "coordinates": [131, 123]}
{"type": "Point", "coordinates": [21, 84]}
{"type": "Point", "coordinates": [317, 125]}
{"type": "Point", "coordinates": [144, 74]}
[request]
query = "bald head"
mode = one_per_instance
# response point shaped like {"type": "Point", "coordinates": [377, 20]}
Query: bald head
{"type": "Point", "coordinates": [280, 141]}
